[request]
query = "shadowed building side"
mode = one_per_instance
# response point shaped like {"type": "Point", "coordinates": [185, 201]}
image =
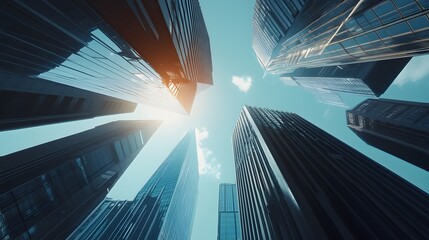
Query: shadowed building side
{"type": "Point", "coordinates": [400, 128]}
{"type": "Point", "coordinates": [296, 181]}
{"type": "Point", "coordinates": [29, 102]}
{"type": "Point", "coordinates": [49, 189]}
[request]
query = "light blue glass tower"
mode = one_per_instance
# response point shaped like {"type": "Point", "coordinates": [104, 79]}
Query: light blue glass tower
{"type": "Point", "coordinates": [163, 209]}
{"type": "Point", "coordinates": [229, 227]}
{"type": "Point", "coordinates": [305, 34]}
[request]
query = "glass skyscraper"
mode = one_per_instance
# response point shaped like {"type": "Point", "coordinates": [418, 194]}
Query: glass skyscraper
{"type": "Point", "coordinates": [73, 43]}
{"type": "Point", "coordinates": [296, 181]}
{"type": "Point", "coordinates": [398, 127]}
{"type": "Point", "coordinates": [29, 102]}
{"type": "Point", "coordinates": [228, 215]}
{"type": "Point", "coordinates": [170, 35]}
{"type": "Point", "coordinates": [46, 191]}
{"type": "Point", "coordinates": [365, 79]}
{"type": "Point", "coordinates": [163, 209]}
{"type": "Point", "coordinates": [330, 33]}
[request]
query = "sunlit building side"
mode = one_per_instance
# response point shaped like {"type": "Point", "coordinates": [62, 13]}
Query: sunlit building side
{"type": "Point", "coordinates": [70, 42]}
{"type": "Point", "coordinates": [330, 33]}
{"type": "Point", "coordinates": [163, 209]}
{"type": "Point", "coordinates": [229, 226]}
{"type": "Point", "coordinates": [170, 35]}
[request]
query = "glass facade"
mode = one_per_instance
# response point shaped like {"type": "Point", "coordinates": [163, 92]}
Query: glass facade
{"type": "Point", "coordinates": [361, 31]}
{"type": "Point", "coordinates": [229, 227]}
{"type": "Point", "coordinates": [28, 102]}
{"type": "Point", "coordinates": [48, 190]}
{"type": "Point", "coordinates": [70, 43]}
{"type": "Point", "coordinates": [400, 128]}
{"type": "Point", "coordinates": [163, 209]}
{"type": "Point", "coordinates": [271, 21]}
{"type": "Point", "coordinates": [366, 79]}
{"type": "Point", "coordinates": [296, 181]}
{"type": "Point", "coordinates": [175, 38]}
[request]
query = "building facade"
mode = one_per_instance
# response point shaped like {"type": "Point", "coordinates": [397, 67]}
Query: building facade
{"type": "Point", "coordinates": [366, 79]}
{"type": "Point", "coordinates": [49, 189]}
{"type": "Point", "coordinates": [176, 27]}
{"type": "Point", "coordinates": [30, 102]}
{"type": "Point", "coordinates": [400, 128]}
{"type": "Point", "coordinates": [229, 227]}
{"type": "Point", "coordinates": [163, 209]}
{"type": "Point", "coordinates": [332, 33]}
{"type": "Point", "coordinates": [271, 21]}
{"type": "Point", "coordinates": [75, 43]}
{"type": "Point", "coordinates": [296, 181]}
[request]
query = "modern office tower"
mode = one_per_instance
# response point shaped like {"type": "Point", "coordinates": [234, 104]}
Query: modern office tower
{"type": "Point", "coordinates": [271, 22]}
{"type": "Point", "coordinates": [400, 128]}
{"type": "Point", "coordinates": [175, 38]}
{"type": "Point", "coordinates": [295, 181]}
{"type": "Point", "coordinates": [46, 191]}
{"type": "Point", "coordinates": [30, 102]}
{"type": "Point", "coordinates": [163, 209]}
{"type": "Point", "coordinates": [74, 42]}
{"type": "Point", "coordinates": [229, 227]}
{"type": "Point", "coordinates": [367, 79]}
{"type": "Point", "coordinates": [331, 33]}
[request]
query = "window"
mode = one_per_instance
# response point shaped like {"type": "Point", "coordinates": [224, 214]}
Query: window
{"type": "Point", "coordinates": [419, 23]}
{"type": "Point", "coordinates": [424, 3]}
{"type": "Point", "coordinates": [384, 8]}
{"type": "Point", "coordinates": [410, 9]}
{"type": "Point", "coordinates": [399, 29]}
{"type": "Point", "coordinates": [401, 3]}
{"type": "Point", "coordinates": [382, 33]}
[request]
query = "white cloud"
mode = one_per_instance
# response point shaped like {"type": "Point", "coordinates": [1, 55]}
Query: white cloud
{"type": "Point", "coordinates": [326, 113]}
{"type": "Point", "coordinates": [243, 83]}
{"type": "Point", "coordinates": [208, 165]}
{"type": "Point", "coordinates": [415, 70]}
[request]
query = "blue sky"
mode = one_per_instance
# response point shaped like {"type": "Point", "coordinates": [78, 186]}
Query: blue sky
{"type": "Point", "coordinates": [238, 80]}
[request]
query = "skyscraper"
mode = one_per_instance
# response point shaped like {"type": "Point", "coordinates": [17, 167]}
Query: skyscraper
{"type": "Point", "coordinates": [163, 209]}
{"type": "Point", "coordinates": [29, 102]}
{"type": "Point", "coordinates": [398, 127]}
{"type": "Point", "coordinates": [175, 38]}
{"type": "Point", "coordinates": [296, 181]}
{"type": "Point", "coordinates": [49, 189]}
{"type": "Point", "coordinates": [228, 215]}
{"type": "Point", "coordinates": [330, 33]}
{"type": "Point", "coordinates": [367, 79]}
{"type": "Point", "coordinates": [75, 43]}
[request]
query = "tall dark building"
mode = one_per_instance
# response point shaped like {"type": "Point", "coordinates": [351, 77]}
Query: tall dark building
{"type": "Point", "coordinates": [229, 227]}
{"type": "Point", "coordinates": [400, 128]}
{"type": "Point", "coordinates": [49, 189]}
{"type": "Point", "coordinates": [170, 35]}
{"type": "Point", "coordinates": [30, 102]}
{"type": "Point", "coordinates": [163, 209]}
{"type": "Point", "coordinates": [147, 52]}
{"type": "Point", "coordinates": [367, 79]}
{"type": "Point", "coordinates": [331, 33]}
{"type": "Point", "coordinates": [296, 181]}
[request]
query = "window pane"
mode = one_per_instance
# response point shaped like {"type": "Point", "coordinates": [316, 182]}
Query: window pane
{"type": "Point", "coordinates": [384, 8]}
{"type": "Point", "coordinates": [398, 29]}
{"type": "Point", "coordinates": [419, 23]}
